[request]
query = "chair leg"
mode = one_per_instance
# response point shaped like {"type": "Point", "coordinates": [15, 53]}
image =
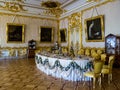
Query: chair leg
{"type": "Point", "coordinates": [109, 78]}
{"type": "Point", "coordinates": [100, 81]}
{"type": "Point", "coordinates": [94, 79]}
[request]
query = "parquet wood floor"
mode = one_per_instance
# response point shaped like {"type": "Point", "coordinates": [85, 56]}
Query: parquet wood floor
{"type": "Point", "coordinates": [23, 75]}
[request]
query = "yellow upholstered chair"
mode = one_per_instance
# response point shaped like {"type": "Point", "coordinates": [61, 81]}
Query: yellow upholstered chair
{"type": "Point", "coordinates": [96, 56]}
{"type": "Point", "coordinates": [96, 73]}
{"type": "Point", "coordinates": [87, 52]}
{"type": "Point", "coordinates": [99, 51]}
{"type": "Point", "coordinates": [107, 69]}
{"type": "Point", "coordinates": [22, 52]}
{"type": "Point", "coordinates": [11, 52]}
{"type": "Point", "coordinates": [93, 50]}
{"type": "Point", "coordinates": [64, 50]}
{"type": "Point", "coordinates": [103, 57]}
{"type": "Point", "coordinates": [81, 52]}
{"type": "Point", "coordinates": [93, 54]}
{"type": "Point", "coordinates": [38, 50]}
{"type": "Point", "coordinates": [48, 49]}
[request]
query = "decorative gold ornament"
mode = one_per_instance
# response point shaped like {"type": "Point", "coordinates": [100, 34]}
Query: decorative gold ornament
{"type": "Point", "coordinates": [75, 19]}
{"type": "Point", "coordinates": [50, 4]}
{"type": "Point", "coordinates": [75, 22]}
{"type": "Point", "coordinates": [52, 7]}
{"type": "Point", "coordinates": [14, 5]}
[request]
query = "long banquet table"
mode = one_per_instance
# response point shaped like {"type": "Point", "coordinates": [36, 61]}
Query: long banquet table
{"type": "Point", "coordinates": [64, 68]}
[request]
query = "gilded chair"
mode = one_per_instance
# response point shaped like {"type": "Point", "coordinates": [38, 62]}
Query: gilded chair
{"type": "Point", "coordinates": [96, 56]}
{"type": "Point", "coordinates": [11, 52]}
{"type": "Point", "coordinates": [48, 49]}
{"type": "Point", "coordinates": [99, 51]}
{"type": "Point", "coordinates": [96, 73]}
{"type": "Point", "coordinates": [103, 57]}
{"type": "Point", "coordinates": [81, 52]}
{"type": "Point", "coordinates": [107, 69]}
{"type": "Point", "coordinates": [93, 50]}
{"type": "Point", "coordinates": [93, 54]}
{"type": "Point", "coordinates": [87, 52]}
{"type": "Point", "coordinates": [64, 50]}
{"type": "Point", "coordinates": [22, 52]}
{"type": "Point", "coordinates": [39, 50]}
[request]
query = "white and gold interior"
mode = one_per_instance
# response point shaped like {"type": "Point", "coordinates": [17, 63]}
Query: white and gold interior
{"type": "Point", "coordinates": [36, 13]}
{"type": "Point", "coordinates": [67, 15]}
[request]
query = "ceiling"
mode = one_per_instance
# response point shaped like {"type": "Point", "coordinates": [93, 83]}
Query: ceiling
{"type": "Point", "coordinates": [34, 7]}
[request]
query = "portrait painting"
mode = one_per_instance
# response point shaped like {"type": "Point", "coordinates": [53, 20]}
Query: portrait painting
{"type": "Point", "coordinates": [94, 28]}
{"type": "Point", "coordinates": [46, 34]}
{"type": "Point", "coordinates": [15, 33]}
{"type": "Point", "coordinates": [63, 35]}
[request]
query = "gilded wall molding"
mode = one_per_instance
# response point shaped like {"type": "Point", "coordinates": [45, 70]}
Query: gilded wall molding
{"type": "Point", "coordinates": [74, 19]}
{"type": "Point", "coordinates": [38, 17]}
{"type": "Point", "coordinates": [75, 22]}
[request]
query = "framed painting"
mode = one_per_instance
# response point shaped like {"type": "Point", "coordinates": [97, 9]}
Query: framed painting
{"type": "Point", "coordinates": [15, 33]}
{"type": "Point", "coordinates": [94, 28]}
{"type": "Point", "coordinates": [63, 34]}
{"type": "Point", "coordinates": [46, 34]}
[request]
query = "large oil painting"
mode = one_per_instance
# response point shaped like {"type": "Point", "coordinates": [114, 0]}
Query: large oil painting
{"type": "Point", "coordinates": [63, 35]}
{"type": "Point", "coordinates": [15, 33]}
{"type": "Point", "coordinates": [46, 34]}
{"type": "Point", "coordinates": [94, 28]}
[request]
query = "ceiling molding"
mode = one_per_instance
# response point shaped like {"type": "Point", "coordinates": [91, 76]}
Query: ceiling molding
{"type": "Point", "coordinates": [28, 15]}
{"type": "Point", "coordinates": [83, 7]}
{"type": "Point", "coordinates": [33, 8]}
{"type": "Point", "coordinates": [67, 3]}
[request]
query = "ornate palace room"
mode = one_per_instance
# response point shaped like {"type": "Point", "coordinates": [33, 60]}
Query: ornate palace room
{"type": "Point", "coordinates": [59, 45]}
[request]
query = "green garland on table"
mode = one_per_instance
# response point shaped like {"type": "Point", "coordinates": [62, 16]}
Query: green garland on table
{"type": "Point", "coordinates": [72, 65]}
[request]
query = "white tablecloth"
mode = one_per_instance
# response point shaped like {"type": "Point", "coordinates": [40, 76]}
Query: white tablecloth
{"type": "Point", "coordinates": [74, 74]}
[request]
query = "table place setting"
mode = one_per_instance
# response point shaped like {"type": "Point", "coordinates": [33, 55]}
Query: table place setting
{"type": "Point", "coordinates": [53, 64]}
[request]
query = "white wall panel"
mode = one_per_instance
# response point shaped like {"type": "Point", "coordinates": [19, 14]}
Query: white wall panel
{"type": "Point", "coordinates": [111, 21]}
{"type": "Point", "coordinates": [64, 24]}
{"type": "Point", "coordinates": [32, 26]}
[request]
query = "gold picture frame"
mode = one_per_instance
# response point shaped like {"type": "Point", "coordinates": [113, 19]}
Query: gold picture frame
{"type": "Point", "coordinates": [94, 29]}
{"type": "Point", "coordinates": [63, 34]}
{"type": "Point", "coordinates": [46, 34]}
{"type": "Point", "coordinates": [15, 33]}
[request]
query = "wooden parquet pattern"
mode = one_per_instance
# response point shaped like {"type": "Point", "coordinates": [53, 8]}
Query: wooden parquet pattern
{"type": "Point", "coordinates": [24, 75]}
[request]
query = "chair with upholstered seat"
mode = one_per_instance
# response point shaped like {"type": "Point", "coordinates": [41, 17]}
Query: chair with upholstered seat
{"type": "Point", "coordinates": [96, 73]}
{"type": "Point", "coordinates": [107, 69]}
{"type": "Point", "coordinates": [11, 52]}
{"type": "Point", "coordinates": [87, 52]}
{"type": "Point", "coordinates": [103, 57]}
{"type": "Point", "coordinates": [22, 52]}
{"type": "Point", "coordinates": [93, 50]}
{"type": "Point", "coordinates": [65, 50]}
{"type": "Point", "coordinates": [99, 51]}
{"type": "Point", "coordinates": [96, 56]}
{"type": "Point", "coordinates": [81, 52]}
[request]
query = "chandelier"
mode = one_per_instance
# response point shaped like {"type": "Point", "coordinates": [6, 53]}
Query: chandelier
{"type": "Point", "coordinates": [52, 7]}
{"type": "Point", "coordinates": [14, 5]}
